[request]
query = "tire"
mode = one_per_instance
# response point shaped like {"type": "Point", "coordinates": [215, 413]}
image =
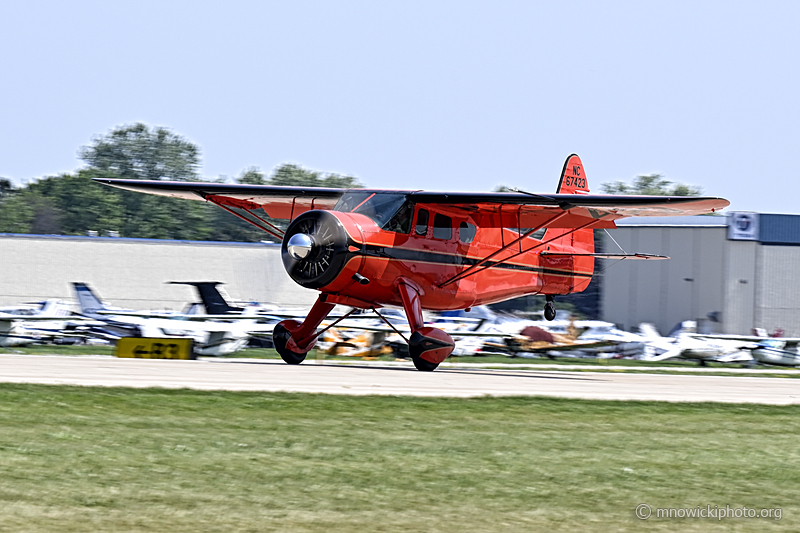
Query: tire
{"type": "Point", "coordinates": [280, 336]}
{"type": "Point", "coordinates": [423, 365]}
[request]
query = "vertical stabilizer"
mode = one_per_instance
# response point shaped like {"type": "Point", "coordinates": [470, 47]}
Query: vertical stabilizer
{"type": "Point", "coordinates": [87, 300]}
{"type": "Point", "coordinates": [573, 177]}
{"type": "Point", "coordinates": [573, 181]}
{"type": "Point", "coordinates": [213, 301]}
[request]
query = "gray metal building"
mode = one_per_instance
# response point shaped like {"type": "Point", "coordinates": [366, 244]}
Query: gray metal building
{"type": "Point", "coordinates": [731, 274]}
{"type": "Point", "coordinates": [132, 273]}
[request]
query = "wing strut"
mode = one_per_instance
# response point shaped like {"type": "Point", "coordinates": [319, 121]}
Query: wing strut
{"type": "Point", "coordinates": [268, 227]}
{"type": "Point", "coordinates": [480, 265]}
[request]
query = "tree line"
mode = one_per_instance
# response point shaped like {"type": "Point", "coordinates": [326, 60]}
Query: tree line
{"type": "Point", "coordinates": [73, 204]}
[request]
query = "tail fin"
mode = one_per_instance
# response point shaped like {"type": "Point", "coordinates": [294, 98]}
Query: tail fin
{"type": "Point", "coordinates": [89, 303]}
{"type": "Point", "coordinates": [213, 301]}
{"type": "Point", "coordinates": [573, 181]}
{"type": "Point", "coordinates": [573, 178]}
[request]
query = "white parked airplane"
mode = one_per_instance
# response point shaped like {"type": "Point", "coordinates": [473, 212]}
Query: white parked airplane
{"type": "Point", "coordinates": [214, 335]}
{"type": "Point", "coordinates": [779, 351]}
{"type": "Point", "coordinates": [686, 343]}
{"type": "Point", "coordinates": [22, 325]}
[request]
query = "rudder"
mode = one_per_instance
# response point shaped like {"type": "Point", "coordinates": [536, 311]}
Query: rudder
{"type": "Point", "coordinates": [88, 301]}
{"type": "Point", "coordinates": [573, 181]}
{"type": "Point", "coordinates": [573, 178]}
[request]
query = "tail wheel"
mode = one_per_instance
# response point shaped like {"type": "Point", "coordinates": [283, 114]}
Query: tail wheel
{"type": "Point", "coordinates": [280, 337]}
{"type": "Point", "coordinates": [549, 308]}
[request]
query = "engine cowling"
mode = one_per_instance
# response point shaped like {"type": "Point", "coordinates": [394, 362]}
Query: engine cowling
{"type": "Point", "coordinates": [314, 249]}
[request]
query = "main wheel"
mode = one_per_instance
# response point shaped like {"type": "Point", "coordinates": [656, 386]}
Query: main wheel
{"type": "Point", "coordinates": [423, 365]}
{"type": "Point", "coordinates": [433, 343]}
{"type": "Point", "coordinates": [281, 336]}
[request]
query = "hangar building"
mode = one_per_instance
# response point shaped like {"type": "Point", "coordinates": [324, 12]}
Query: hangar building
{"type": "Point", "coordinates": [132, 273]}
{"type": "Point", "coordinates": [730, 273]}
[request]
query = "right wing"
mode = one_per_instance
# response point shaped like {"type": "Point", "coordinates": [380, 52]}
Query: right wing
{"type": "Point", "coordinates": [277, 202]}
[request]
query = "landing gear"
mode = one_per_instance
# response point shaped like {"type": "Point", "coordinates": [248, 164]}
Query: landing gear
{"type": "Point", "coordinates": [427, 346]}
{"type": "Point", "coordinates": [280, 337]}
{"type": "Point", "coordinates": [424, 366]}
{"type": "Point", "coordinates": [294, 340]}
{"type": "Point", "coordinates": [549, 308]}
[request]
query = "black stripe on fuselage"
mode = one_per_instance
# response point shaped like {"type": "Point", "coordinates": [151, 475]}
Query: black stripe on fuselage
{"type": "Point", "coordinates": [406, 254]}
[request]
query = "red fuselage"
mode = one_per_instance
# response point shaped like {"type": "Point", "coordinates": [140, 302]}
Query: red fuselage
{"type": "Point", "coordinates": [432, 251]}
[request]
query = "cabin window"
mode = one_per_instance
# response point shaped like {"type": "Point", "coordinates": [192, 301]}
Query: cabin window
{"type": "Point", "coordinates": [466, 232]}
{"type": "Point", "coordinates": [390, 211]}
{"type": "Point", "coordinates": [422, 222]}
{"type": "Point", "coordinates": [442, 227]}
{"type": "Point", "coordinates": [401, 221]}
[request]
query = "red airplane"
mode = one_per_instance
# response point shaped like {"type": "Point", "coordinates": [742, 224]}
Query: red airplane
{"type": "Point", "coordinates": [368, 248]}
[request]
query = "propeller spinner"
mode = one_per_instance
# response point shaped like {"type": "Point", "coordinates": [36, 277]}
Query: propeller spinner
{"type": "Point", "coordinates": [314, 249]}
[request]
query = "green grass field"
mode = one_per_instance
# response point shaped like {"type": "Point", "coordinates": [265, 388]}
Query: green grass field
{"type": "Point", "coordinates": [78, 459]}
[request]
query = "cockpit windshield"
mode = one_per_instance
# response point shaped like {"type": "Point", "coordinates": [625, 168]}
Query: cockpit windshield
{"type": "Point", "coordinates": [390, 211]}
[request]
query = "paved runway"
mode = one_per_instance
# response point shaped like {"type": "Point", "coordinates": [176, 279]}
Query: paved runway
{"type": "Point", "coordinates": [273, 375]}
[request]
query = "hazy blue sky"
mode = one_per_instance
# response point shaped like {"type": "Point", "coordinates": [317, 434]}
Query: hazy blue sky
{"type": "Point", "coordinates": [437, 95]}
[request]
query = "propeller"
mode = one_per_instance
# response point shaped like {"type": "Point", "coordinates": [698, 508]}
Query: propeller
{"type": "Point", "coordinates": [314, 249]}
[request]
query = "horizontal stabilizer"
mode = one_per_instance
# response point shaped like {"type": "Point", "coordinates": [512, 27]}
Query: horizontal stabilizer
{"type": "Point", "coordinates": [608, 256]}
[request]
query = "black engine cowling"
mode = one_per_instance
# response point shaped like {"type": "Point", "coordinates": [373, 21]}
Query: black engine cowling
{"type": "Point", "coordinates": [314, 249]}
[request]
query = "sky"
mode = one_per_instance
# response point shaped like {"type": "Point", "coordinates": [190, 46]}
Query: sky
{"type": "Point", "coordinates": [435, 95]}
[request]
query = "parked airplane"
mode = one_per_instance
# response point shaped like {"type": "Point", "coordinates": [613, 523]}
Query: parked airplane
{"type": "Point", "coordinates": [214, 335]}
{"type": "Point", "coordinates": [685, 343]}
{"type": "Point", "coordinates": [50, 319]}
{"type": "Point", "coordinates": [428, 250]}
{"type": "Point", "coordinates": [779, 351]}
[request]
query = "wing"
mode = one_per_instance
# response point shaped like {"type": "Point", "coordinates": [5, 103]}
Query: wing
{"type": "Point", "coordinates": [254, 203]}
{"type": "Point", "coordinates": [525, 210]}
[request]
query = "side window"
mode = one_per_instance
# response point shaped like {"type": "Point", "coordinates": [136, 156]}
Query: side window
{"type": "Point", "coordinates": [422, 222]}
{"type": "Point", "coordinates": [401, 221]}
{"type": "Point", "coordinates": [466, 232]}
{"type": "Point", "coordinates": [442, 227]}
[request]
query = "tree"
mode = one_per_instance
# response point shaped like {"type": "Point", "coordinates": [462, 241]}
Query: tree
{"type": "Point", "coordinates": [137, 152]}
{"type": "Point", "coordinates": [16, 214]}
{"type": "Point", "coordinates": [291, 174]}
{"type": "Point", "coordinates": [253, 176]}
{"type": "Point", "coordinates": [6, 187]}
{"type": "Point", "coordinates": [651, 184]}
{"type": "Point", "coordinates": [78, 204]}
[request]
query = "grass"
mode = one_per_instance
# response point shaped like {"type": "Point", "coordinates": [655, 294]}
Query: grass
{"type": "Point", "coordinates": [97, 459]}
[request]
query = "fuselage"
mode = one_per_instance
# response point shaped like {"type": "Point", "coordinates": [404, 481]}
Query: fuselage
{"type": "Point", "coordinates": [360, 254]}
{"type": "Point", "coordinates": [774, 352]}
